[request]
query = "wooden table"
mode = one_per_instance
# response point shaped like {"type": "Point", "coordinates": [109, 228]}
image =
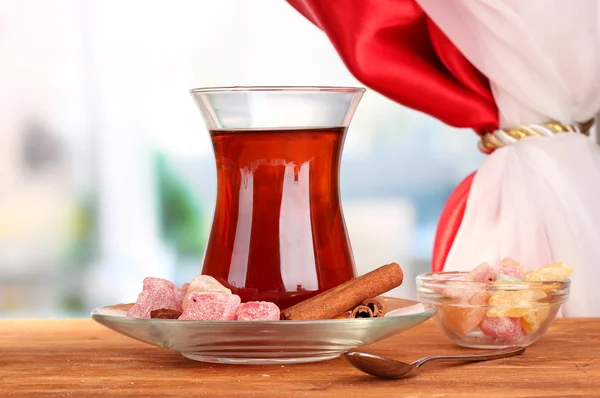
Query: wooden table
{"type": "Point", "coordinates": [81, 358]}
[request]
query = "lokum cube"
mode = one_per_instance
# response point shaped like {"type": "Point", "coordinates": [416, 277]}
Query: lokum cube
{"type": "Point", "coordinates": [511, 267]}
{"type": "Point", "coordinates": [464, 319]}
{"type": "Point", "coordinates": [156, 293]}
{"type": "Point", "coordinates": [184, 289]}
{"type": "Point", "coordinates": [484, 273]}
{"type": "Point", "coordinates": [439, 286]}
{"type": "Point", "coordinates": [506, 328]}
{"type": "Point", "coordinates": [534, 318]}
{"type": "Point", "coordinates": [549, 273]}
{"type": "Point", "coordinates": [258, 311]}
{"type": "Point", "coordinates": [203, 284]}
{"type": "Point", "coordinates": [210, 307]}
{"type": "Point", "coordinates": [461, 291]}
{"type": "Point", "coordinates": [513, 303]}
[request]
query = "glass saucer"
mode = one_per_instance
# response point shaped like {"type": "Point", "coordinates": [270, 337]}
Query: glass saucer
{"type": "Point", "coordinates": [264, 342]}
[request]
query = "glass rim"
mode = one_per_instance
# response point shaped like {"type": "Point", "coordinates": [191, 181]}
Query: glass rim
{"type": "Point", "coordinates": [314, 89]}
{"type": "Point", "coordinates": [429, 278]}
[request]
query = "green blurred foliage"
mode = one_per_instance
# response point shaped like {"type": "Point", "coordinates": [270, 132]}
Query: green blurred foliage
{"type": "Point", "coordinates": [180, 214]}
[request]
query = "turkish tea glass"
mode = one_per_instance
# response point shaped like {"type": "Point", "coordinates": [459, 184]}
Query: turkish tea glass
{"type": "Point", "coordinates": [278, 231]}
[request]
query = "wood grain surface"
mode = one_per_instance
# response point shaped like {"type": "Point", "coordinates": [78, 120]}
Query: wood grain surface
{"type": "Point", "coordinates": [80, 358]}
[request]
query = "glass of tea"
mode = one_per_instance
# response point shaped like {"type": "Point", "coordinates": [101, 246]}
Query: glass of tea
{"type": "Point", "coordinates": [278, 231]}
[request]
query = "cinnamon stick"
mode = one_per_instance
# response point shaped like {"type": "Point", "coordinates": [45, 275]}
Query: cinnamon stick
{"type": "Point", "coordinates": [362, 311]}
{"type": "Point", "coordinates": [344, 315]}
{"type": "Point", "coordinates": [347, 296]}
{"type": "Point", "coordinates": [377, 306]}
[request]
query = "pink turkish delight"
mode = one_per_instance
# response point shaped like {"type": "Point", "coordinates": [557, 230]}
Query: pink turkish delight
{"type": "Point", "coordinates": [484, 273]}
{"type": "Point", "coordinates": [184, 289]}
{"type": "Point", "coordinates": [210, 307]}
{"type": "Point", "coordinates": [506, 328]}
{"type": "Point", "coordinates": [203, 284]}
{"type": "Point", "coordinates": [511, 267]}
{"type": "Point", "coordinates": [453, 288]}
{"type": "Point", "coordinates": [156, 294]}
{"type": "Point", "coordinates": [258, 311]}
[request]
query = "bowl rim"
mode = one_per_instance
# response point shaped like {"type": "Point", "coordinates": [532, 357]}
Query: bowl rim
{"type": "Point", "coordinates": [428, 277]}
{"type": "Point", "coordinates": [273, 89]}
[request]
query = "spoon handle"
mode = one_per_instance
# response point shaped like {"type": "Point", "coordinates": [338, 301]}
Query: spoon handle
{"type": "Point", "coordinates": [504, 353]}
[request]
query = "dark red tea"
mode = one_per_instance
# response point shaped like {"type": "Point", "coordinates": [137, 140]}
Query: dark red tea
{"type": "Point", "coordinates": [278, 233]}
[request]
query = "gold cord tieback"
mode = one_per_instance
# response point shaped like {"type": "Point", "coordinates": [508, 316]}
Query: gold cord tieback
{"type": "Point", "coordinates": [503, 137]}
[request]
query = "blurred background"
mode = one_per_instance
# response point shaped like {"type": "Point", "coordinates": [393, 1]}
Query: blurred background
{"type": "Point", "coordinates": [106, 169]}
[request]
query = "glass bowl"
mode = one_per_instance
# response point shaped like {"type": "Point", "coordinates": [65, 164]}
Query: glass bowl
{"type": "Point", "coordinates": [265, 342]}
{"type": "Point", "coordinates": [492, 314]}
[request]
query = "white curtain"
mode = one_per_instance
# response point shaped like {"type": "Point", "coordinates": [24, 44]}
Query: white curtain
{"type": "Point", "coordinates": [536, 200]}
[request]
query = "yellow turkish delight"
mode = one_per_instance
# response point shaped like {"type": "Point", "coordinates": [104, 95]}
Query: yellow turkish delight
{"type": "Point", "coordinates": [534, 318]}
{"type": "Point", "coordinates": [549, 273]}
{"type": "Point", "coordinates": [513, 303]}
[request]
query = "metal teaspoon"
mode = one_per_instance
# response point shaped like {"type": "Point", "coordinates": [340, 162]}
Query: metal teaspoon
{"type": "Point", "coordinates": [392, 369]}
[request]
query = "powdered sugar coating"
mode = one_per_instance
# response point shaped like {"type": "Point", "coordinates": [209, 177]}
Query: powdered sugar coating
{"type": "Point", "coordinates": [210, 307]}
{"type": "Point", "coordinates": [484, 273]}
{"type": "Point", "coordinates": [464, 318]}
{"type": "Point", "coordinates": [258, 311]}
{"type": "Point", "coordinates": [506, 328]}
{"type": "Point", "coordinates": [203, 284]}
{"type": "Point", "coordinates": [508, 278]}
{"type": "Point", "coordinates": [184, 289]}
{"type": "Point", "coordinates": [461, 291]}
{"type": "Point", "coordinates": [511, 267]}
{"type": "Point", "coordinates": [156, 293]}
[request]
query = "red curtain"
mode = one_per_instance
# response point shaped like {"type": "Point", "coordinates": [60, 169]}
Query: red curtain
{"type": "Point", "coordinates": [392, 47]}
